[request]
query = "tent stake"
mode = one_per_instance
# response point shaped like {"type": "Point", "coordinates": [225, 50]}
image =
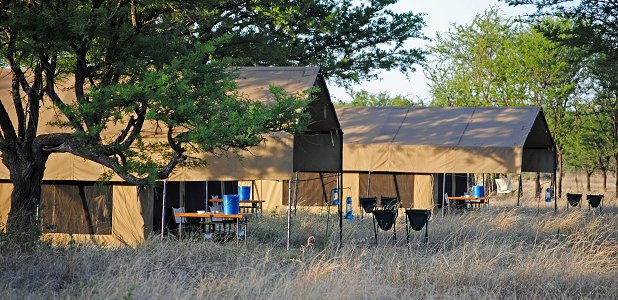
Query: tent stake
{"type": "Point", "coordinates": [289, 210]}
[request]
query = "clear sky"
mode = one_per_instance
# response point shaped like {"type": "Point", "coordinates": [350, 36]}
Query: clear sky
{"type": "Point", "coordinates": [440, 14]}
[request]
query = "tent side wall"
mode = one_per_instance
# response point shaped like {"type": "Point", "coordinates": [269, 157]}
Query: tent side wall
{"type": "Point", "coordinates": [6, 188]}
{"type": "Point", "coordinates": [271, 191]}
{"type": "Point", "coordinates": [131, 220]}
{"type": "Point", "coordinates": [131, 217]}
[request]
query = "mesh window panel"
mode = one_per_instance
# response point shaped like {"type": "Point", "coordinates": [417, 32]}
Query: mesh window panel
{"type": "Point", "coordinates": [384, 185]}
{"type": "Point", "coordinates": [78, 208]}
{"type": "Point", "coordinates": [313, 189]}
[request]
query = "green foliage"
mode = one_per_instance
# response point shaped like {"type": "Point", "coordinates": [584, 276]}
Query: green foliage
{"type": "Point", "coordinates": [349, 39]}
{"type": "Point", "coordinates": [497, 62]}
{"type": "Point", "coordinates": [364, 98]}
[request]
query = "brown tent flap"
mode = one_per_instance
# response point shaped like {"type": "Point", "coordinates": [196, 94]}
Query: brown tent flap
{"type": "Point", "coordinates": [446, 139]}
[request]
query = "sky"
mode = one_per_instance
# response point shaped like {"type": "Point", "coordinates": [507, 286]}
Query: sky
{"type": "Point", "coordinates": [440, 14]}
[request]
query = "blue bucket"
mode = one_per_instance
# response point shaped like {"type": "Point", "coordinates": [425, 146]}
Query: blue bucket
{"type": "Point", "coordinates": [230, 204]}
{"type": "Point", "coordinates": [478, 191]}
{"type": "Point", "coordinates": [244, 192]}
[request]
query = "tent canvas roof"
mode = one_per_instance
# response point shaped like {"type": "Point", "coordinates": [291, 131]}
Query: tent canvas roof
{"type": "Point", "coordinates": [271, 159]}
{"type": "Point", "coordinates": [451, 139]}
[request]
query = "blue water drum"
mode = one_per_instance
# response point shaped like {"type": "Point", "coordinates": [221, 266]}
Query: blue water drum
{"type": "Point", "coordinates": [230, 204]}
{"type": "Point", "coordinates": [478, 191]}
{"type": "Point", "coordinates": [244, 192]}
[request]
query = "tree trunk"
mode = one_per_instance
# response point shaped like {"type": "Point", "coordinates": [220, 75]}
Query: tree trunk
{"type": "Point", "coordinates": [560, 174]}
{"type": "Point", "coordinates": [537, 185]}
{"type": "Point", "coordinates": [616, 177]}
{"type": "Point", "coordinates": [604, 180]}
{"type": "Point", "coordinates": [588, 175]}
{"type": "Point", "coordinates": [26, 174]}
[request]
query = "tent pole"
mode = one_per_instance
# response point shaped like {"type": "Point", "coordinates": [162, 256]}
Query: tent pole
{"type": "Point", "coordinates": [443, 193]}
{"type": "Point", "coordinates": [397, 188]}
{"type": "Point", "coordinates": [519, 187]}
{"type": "Point", "coordinates": [163, 208]}
{"type": "Point", "coordinates": [296, 193]}
{"type": "Point", "coordinates": [324, 196]}
{"type": "Point", "coordinates": [468, 182]}
{"type": "Point", "coordinates": [340, 192]}
{"type": "Point", "coordinates": [368, 184]}
{"type": "Point", "coordinates": [555, 195]}
{"type": "Point", "coordinates": [289, 210]}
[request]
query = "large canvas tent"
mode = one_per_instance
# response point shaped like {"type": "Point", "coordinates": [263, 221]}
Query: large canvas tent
{"type": "Point", "coordinates": [397, 150]}
{"type": "Point", "coordinates": [124, 214]}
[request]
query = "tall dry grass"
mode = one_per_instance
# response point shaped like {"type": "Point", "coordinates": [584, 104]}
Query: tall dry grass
{"type": "Point", "coordinates": [499, 252]}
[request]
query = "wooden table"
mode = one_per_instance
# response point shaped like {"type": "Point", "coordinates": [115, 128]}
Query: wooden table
{"type": "Point", "coordinates": [255, 205]}
{"type": "Point", "coordinates": [236, 217]}
{"type": "Point", "coordinates": [472, 200]}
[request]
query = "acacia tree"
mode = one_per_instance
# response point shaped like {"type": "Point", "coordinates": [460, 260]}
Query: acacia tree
{"type": "Point", "coordinates": [494, 61]}
{"type": "Point", "coordinates": [167, 62]}
{"type": "Point", "coordinates": [588, 146]}
{"type": "Point", "coordinates": [594, 31]}
{"type": "Point", "coordinates": [364, 98]}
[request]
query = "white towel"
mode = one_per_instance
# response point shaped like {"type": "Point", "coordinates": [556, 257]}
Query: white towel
{"type": "Point", "coordinates": [504, 185]}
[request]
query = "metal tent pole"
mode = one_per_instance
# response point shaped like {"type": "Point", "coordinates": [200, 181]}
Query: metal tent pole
{"type": "Point", "coordinates": [368, 184]}
{"type": "Point", "coordinates": [519, 186]}
{"type": "Point", "coordinates": [397, 188]}
{"type": "Point", "coordinates": [289, 211]}
{"type": "Point", "coordinates": [443, 193]}
{"type": "Point", "coordinates": [295, 192]}
{"type": "Point", "coordinates": [340, 192]}
{"type": "Point", "coordinates": [163, 209]}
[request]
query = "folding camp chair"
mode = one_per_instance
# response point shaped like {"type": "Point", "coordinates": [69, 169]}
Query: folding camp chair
{"type": "Point", "coordinates": [389, 202]}
{"type": "Point", "coordinates": [595, 201]}
{"type": "Point", "coordinates": [574, 199]}
{"type": "Point", "coordinates": [368, 204]}
{"type": "Point", "coordinates": [384, 219]}
{"type": "Point", "coordinates": [417, 219]}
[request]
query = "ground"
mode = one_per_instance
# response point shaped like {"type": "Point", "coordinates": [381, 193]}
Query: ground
{"type": "Point", "coordinates": [502, 251]}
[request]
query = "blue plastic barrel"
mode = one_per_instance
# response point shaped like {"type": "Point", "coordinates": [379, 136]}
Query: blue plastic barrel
{"type": "Point", "coordinates": [244, 192]}
{"type": "Point", "coordinates": [478, 191]}
{"type": "Point", "coordinates": [230, 204]}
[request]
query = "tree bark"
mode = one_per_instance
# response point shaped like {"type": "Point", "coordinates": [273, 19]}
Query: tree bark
{"type": "Point", "coordinates": [560, 174]}
{"type": "Point", "coordinates": [537, 185]}
{"type": "Point", "coordinates": [604, 180]}
{"type": "Point", "coordinates": [26, 174]}
{"type": "Point", "coordinates": [616, 177]}
{"type": "Point", "coordinates": [588, 175]}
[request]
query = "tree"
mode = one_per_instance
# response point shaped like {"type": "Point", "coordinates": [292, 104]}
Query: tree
{"type": "Point", "coordinates": [364, 98]}
{"type": "Point", "coordinates": [589, 140]}
{"type": "Point", "coordinates": [350, 40]}
{"type": "Point", "coordinates": [133, 62]}
{"type": "Point", "coordinates": [495, 61]}
{"type": "Point", "coordinates": [594, 31]}
{"type": "Point", "coordinates": [472, 64]}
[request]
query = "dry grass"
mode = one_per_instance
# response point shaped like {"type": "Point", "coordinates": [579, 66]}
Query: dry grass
{"type": "Point", "coordinates": [499, 252]}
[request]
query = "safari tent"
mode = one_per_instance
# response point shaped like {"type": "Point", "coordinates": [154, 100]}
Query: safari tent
{"type": "Point", "coordinates": [394, 151]}
{"type": "Point", "coordinates": [74, 207]}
